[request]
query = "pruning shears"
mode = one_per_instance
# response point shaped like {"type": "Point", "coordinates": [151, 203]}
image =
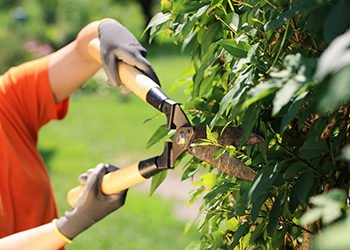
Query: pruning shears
{"type": "Point", "coordinates": [187, 138]}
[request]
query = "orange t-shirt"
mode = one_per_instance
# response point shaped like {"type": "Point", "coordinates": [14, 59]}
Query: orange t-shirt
{"type": "Point", "coordinates": [26, 104]}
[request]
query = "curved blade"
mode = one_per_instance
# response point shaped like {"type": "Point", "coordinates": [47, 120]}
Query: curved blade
{"type": "Point", "coordinates": [230, 165]}
{"type": "Point", "coordinates": [189, 139]}
{"type": "Point", "coordinates": [227, 135]}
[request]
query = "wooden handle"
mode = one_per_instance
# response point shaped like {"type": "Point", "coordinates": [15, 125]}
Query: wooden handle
{"type": "Point", "coordinates": [131, 77]}
{"type": "Point", "coordinates": [113, 182]}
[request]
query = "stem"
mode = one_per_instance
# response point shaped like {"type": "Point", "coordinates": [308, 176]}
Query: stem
{"type": "Point", "coordinates": [231, 6]}
{"type": "Point", "coordinates": [296, 225]}
{"type": "Point", "coordinates": [280, 48]}
{"type": "Point", "coordinates": [273, 6]}
{"type": "Point", "coordinates": [227, 25]}
{"type": "Point", "coordinates": [297, 157]}
{"type": "Point", "coordinates": [243, 3]}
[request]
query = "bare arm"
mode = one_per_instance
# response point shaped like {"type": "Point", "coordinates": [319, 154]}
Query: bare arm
{"type": "Point", "coordinates": [71, 66]}
{"type": "Point", "coordinates": [39, 238]}
{"type": "Point", "coordinates": [91, 207]}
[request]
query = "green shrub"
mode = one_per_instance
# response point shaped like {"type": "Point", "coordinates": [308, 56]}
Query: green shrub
{"type": "Point", "coordinates": [280, 69]}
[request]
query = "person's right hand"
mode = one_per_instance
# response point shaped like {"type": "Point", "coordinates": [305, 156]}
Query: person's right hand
{"type": "Point", "coordinates": [117, 43]}
{"type": "Point", "coordinates": [92, 205]}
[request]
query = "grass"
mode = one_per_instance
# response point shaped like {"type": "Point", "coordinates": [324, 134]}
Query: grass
{"type": "Point", "coordinates": [112, 129]}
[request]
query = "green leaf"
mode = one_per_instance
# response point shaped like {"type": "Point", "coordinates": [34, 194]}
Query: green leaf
{"type": "Point", "coordinates": [293, 110]}
{"type": "Point", "coordinates": [346, 153]}
{"type": "Point", "coordinates": [294, 170]}
{"type": "Point", "coordinates": [284, 95]}
{"type": "Point", "coordinates": [256, 207]}
{"type": "Point", "coordinates": [335, 91]}
{"type": "Point", "coordinates": [156, 22]}
{"type": "Point", "coordinates": [221, 189]}
{"type": "Point", "coordinates": [190, 169]}
{"type": "Point", "coordinates": [274, 214]}
{"type": "Point", "coordinates": [212, 136]}
{"type": "Point", "coordinates": [259, 92]}
{"type": "Point", "coordinates": [208, 180]}
{"type": "Point", "coordinates": [195, 195]}
{"type": "Point", "coordinates": [335, 57]}
{"type": "Point", "coordinates": [231, 98]}
{"type": "Point", "coordinates": [181, 8]}
{"type": "Point", "coordinates": [241, 231]}
{"type": "Point", "coordinates": [259, 230]}
{"type": "Point", "coordinates": [315, 20]}
{"type": "Point", "coordinates": [263, 181]}
{"type": "Point", "coordinates": [210, 36]}
{"type": "Point", "coordinates": [209, 58]}
{"type": "Point", "coordinates": [219, 153]}
{"type": "Point", "coordinates": [304, 185]}
{"type": "Point", "coordinates": [327, 206]}
{"type": "Point", "coordinates": [334, 237]}
{"type": "Point", "coordinates": [157, 180]}
{"type": "Point", "coordinates": [293, 200]}
{"type": "Point", "coordinates": [159, 134]}
{"type": "Point", "coordinates": [314, 146]}
{"type": "Point", "coordinates": [337, 21]}
{"type": "Point", "coordinates": [311, 216]}
{"type": "Point", "coordinates": [232, 47]}
{"type": "Point", "coordinates": [249, 120]}
{"type": "Point", "coordinates": [158, 19]}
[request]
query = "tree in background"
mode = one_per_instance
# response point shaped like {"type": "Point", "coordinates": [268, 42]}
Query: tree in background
{"type": "Point", "coordinates": [30, 27]}
{"type": "Point", "coordinates": [281, 69]}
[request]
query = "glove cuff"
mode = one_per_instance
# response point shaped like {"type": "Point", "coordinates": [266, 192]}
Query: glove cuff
{"type": "Point", "coordinates": [72, 224]}
{"type": "Point", "coordinates": [59, 233]}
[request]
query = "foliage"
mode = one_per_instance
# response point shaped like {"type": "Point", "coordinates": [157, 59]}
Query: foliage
{"type": "Point", "coordinates": [278, 68]}
{"type": "Point", "coordinates": [34, 28]}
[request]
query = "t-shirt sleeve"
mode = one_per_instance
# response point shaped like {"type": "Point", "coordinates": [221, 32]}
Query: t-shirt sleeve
{"type": "Point", "coordinates": [29, 94]}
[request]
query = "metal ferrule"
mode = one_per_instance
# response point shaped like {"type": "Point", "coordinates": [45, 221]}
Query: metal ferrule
{"type": "Point", "coordinates": [156, 97]}
{"type": "Point", "coordinates": [148, 167]}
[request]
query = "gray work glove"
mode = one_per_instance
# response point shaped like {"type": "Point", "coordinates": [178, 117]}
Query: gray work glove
{"type": "Point", "coordinates": [92, 205]}
{"type": "Point", "coordinates": [118, 44]}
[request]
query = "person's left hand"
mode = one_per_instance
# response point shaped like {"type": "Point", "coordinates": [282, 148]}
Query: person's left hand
{"type": "Point", "coordinates": [91, 205]}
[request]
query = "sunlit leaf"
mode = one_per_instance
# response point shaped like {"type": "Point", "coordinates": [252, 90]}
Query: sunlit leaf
{"type": "Point", "coordinates": [284, 95]}
{"type": "Point", "coordinates": [335, 57]}
{"type": "Point", "coordinates": [159, 134]}
{"type": "Point", "coordinates": [231, 47]}
{"type": "Point", "coordinates": [327, 206]}
{"type": "Point", "coordinates": [157, 180]}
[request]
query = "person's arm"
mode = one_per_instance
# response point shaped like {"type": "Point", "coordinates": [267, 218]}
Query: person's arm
{"type": "Point", "coordinates": [43, 237]}
{"type": "Point", "coordinates": [91, 206]}
{"type": "Point", "coordinates": [72, 65]}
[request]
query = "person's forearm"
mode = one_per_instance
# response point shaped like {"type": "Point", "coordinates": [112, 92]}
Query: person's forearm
{"type": "Point", "coordinates": [71, 66]}
{"type": "Point", "coordinates": [39, 238]}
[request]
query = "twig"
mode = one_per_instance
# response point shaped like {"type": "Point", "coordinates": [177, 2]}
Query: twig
{"type": "Point", "coordinates": [280, 48]}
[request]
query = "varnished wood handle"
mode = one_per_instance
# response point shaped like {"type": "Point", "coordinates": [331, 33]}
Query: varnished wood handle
{"type": "Point", "coordinates": [113, 182]}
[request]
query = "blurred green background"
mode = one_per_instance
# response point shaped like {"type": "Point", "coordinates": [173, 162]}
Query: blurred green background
{"type": "Point", "coordinates": [102, 125]}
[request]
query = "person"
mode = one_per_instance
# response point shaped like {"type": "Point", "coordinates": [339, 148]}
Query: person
{"type": "Point", "coordinates": [61, 231]}
{"type": "Point", "coordinates": [31, 95]}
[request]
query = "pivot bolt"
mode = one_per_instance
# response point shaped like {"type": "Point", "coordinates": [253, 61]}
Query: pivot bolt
{"type": "Point", "coordinates": [182, 138]}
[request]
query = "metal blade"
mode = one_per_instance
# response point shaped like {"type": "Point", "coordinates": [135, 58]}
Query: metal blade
{"type": "Point", "coordinates": [187, 135]}
{"type": "Point", "coordinates": [227, 135]}
{"type": "Point", "coordinates": [189, 139]}
{"type": "Point", "coordinates": [225, 163]}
